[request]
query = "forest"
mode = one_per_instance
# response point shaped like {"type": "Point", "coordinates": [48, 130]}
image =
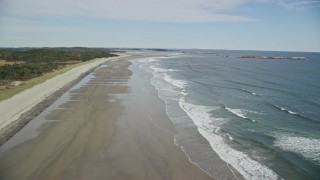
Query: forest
{"type": "Point", "coordinates": [21, 64]}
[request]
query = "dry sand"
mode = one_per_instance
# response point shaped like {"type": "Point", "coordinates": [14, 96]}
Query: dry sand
{"type": "Point", "coordinates": [113, 127]}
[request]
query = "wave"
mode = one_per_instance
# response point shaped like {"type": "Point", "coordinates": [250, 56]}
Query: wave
{"type": "Point", "coordinates": [146, 60]}
{"type": "Point", "coordinates": [249, 92]}
{"type": "Point", "coordinates": [178, 83]}
{"type": "Point", "coordinates": [283, 91]}
{"type": "Point", "coordinates": [153, 60]}
{"type": "Point", "coordinates": [240, 113]}
{"type": "Point", "coordinates": [157, 59]}
{"type": "Point", "coordinates": [249, 168]}
{"type": "Point", "coordinates": [262, 87]}
{"type": "Point", "coordinates": [211, 85]}
{"type": "Point", "coordinates": [307, 147]}
{"type": "Point", "coordinates": [157, 69]}
{"type": "Point", "coordinates": [184, 92]}
{"type": "Point", "coordinates": [172, 56]}
{"type": "Point", "coordinates": [293, 113]}
{"type": "Point", "coordinates": [284, 109]}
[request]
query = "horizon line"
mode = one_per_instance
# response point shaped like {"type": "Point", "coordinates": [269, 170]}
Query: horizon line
{"type": "Point", "coordinates": [152, 48]}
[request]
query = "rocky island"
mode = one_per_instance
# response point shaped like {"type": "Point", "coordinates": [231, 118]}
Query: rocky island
{"type": "Point", "coordinates": [274, 57]}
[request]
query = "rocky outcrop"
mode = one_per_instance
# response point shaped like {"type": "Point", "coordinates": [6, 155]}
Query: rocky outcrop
{"type": "Point", "coordinates": [274, 57]}
{"type": "Point", "coordinates": [297, 58]}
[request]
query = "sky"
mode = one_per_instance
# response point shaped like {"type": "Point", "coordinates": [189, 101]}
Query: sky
{"type": "Point", "coordinates": [277, 25]}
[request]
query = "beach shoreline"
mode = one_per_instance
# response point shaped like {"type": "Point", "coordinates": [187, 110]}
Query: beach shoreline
{"type": "Point", "coordinates": [112, 127]}
{"type": "Point", "coordinates": [18, 110]}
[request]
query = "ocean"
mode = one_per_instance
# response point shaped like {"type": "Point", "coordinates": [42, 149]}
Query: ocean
{"type": "Point", "coordinates": [260, 116]}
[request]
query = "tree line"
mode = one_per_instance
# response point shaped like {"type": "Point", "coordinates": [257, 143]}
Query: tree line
{"type": "Point", "coordinates": [38, 61]}
{"type": "Point", "coordinates": [53, 54]}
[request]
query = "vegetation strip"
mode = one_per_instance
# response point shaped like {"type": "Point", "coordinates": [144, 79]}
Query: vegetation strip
{"type": "Point", "coordinates": [7, 93]}
{"type": "Point", "coordinates": [23, 68]}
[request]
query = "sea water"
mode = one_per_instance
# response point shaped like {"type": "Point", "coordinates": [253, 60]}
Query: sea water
{"type": "Point", "coordinates": [260, 116]}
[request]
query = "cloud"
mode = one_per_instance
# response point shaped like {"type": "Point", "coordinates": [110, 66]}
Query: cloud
{"type": "Point", "coordinates": [181, 11]}
{"type": "Point", "coordinates": [174, 11]}
{"type": "Point", "coordinates": [298, 4]}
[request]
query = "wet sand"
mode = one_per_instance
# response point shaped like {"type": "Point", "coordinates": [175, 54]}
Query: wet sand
{"type": "Point", "coordinates": [113, 127]}
{"type": "Point", "coordinates": [17, 111]}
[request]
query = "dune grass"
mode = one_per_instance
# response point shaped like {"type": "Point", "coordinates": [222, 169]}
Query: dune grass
{"type": "Point", "coordinates": [8, 93]}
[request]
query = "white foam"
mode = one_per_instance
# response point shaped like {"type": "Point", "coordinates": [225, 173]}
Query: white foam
{"type": "Point", "coordinates": [230, 137]}
{"type": "Point", "coordinates": [184, 92]}
{"type": "Point", "coordinates": [152, 60]}
{"type": "Point", "coordinates": [249, 168]}
{"type": "Point", "coordinates": [284, 109]}
{"type": "Point", "coordinates": [241, 113]}
{"type": "Point", "coordinates": [247, 91]}
{"type": "Point", "coordinates": [144, 60]}
{"type": "Point", "coordinates": [291, 112]}
{"type": "Point", "coordinates": [307, 147]}
{"type": "Point", "coordinates": [172, 56]}
{"type": "Point", "coordinates": [237, 112]}
{"type": "Point", "coordinates": [158, 70]}
{"type": "Point", "coordinates": [178, 83]}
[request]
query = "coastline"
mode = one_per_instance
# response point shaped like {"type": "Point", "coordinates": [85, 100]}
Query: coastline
{"type": "Point", "coordinates": [135, 106]}
{"type": "Point", "coordinates": [113, 126]}
{"type": "Point", "coordinates": [18, 110]}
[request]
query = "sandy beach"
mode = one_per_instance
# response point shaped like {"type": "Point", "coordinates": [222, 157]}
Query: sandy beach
{"type": "Point", "coordinates": [20, 109]}
{"type": "Point", "coordinates": [111, 126]}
